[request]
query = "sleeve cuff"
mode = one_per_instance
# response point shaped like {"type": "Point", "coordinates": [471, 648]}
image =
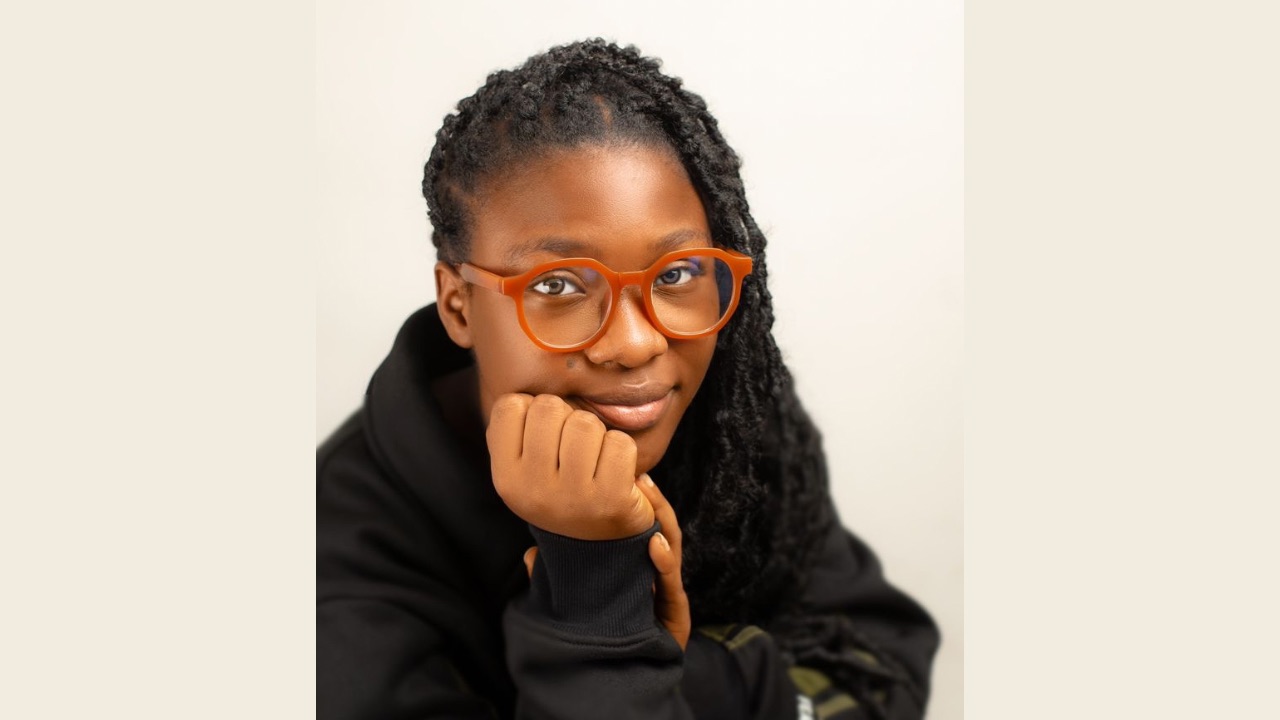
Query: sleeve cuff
{"type": "Point", "coordinates": [597, 587]}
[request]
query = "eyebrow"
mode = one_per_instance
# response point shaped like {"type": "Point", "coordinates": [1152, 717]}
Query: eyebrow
{"type": "Point", "coordinates": [568, 247]}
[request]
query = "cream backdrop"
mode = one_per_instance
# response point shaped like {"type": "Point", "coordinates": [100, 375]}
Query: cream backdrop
{"type": "Point", "coordinates": [850, 125]}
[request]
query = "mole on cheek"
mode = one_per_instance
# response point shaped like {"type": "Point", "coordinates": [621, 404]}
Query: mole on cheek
{"type": "Point", "coordinates": [570, 362]}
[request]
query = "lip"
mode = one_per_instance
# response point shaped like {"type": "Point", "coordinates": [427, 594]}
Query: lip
{"type": "Point", "coordinates": [632, 411]}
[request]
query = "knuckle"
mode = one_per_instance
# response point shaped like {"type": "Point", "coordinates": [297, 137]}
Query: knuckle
{"type": "Point", "coordinates": [546, 411]}
{"type": "Point", "coordinates": [618, 454]}
{"type": "Point", "coordinates": [620, 442]}
{"type": "Point", "coordinates": [581, 420]}
{"type": "Point", "coordinates": [547, 401]}
{"type": "Point", "coordinates": [510, 404]}
{"type": "Point", "coordinates": [618, 436]}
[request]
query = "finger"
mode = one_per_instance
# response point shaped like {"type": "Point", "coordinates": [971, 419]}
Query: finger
{"type": "Point", "coordinates": [580, 442]}
{"type": "Point", "coordinates": [664, 560]}
{"type": "Point", "coordinates": [529, 556]}
{"type": "Point", "coordinates": [617, 462]}
{"type": "Point", "coordinates": [542, 427]}
{"type": "Point", "coordinates": [615, 480]}
{"type": "Point", "coordinates": [671, 602]}
{"type": "Point", "coordinates": [665, 514]}
{"type": "Point", "coordinates": [505, 433]}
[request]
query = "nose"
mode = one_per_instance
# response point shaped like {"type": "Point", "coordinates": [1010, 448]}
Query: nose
{"type": "Point", "coordinates": [631, 340]}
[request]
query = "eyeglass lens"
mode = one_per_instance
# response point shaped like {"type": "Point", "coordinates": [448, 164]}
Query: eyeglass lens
{"type": "Point", "coordinates": [565, 306]}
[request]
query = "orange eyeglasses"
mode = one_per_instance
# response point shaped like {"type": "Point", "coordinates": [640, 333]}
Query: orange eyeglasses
{"type": "Point", "coordinates": [566, 305]}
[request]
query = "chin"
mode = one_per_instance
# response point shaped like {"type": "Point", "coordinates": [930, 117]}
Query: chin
{"type": "Point", "coordinates": [645, 464]}
{"type": "Point", "coordinates": [649, 452]}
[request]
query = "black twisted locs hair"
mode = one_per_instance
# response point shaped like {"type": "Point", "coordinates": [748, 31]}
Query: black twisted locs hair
{"type": "Point", "coordinates": [745, 470]}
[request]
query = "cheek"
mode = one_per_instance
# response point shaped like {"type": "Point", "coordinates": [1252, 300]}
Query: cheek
{"type": "Point", "coordinates": [695, 356]}
{"type": "Point", "coordinates": [508, 360]}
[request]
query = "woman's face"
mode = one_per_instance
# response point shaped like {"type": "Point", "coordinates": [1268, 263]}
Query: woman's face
{"type": "Point", "coordinates": [623, 206]}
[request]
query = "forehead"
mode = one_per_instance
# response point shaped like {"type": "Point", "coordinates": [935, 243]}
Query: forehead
{"type": "Point", "coordinates": [624, 206]}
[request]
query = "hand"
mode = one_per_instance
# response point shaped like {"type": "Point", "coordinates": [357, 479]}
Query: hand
{"type": "Point", "coordinates": [560, 470]}
{"type": "Point", "coordinates": [672, 604]}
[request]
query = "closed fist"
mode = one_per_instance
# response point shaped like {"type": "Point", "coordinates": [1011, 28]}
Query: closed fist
{"type": "Point", "coordinates": [560, 470]}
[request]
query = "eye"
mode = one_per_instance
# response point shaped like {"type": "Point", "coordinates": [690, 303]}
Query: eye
{"type": "Point", "coordinates": [679, 273]}
{"type": "Point", "coordinates": [555, 285]}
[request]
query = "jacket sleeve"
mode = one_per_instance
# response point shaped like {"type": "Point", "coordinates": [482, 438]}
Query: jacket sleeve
{"type": "Point", "coordinates": [584, 642]}
{"type": "Point", "coordinates": [585, 637]}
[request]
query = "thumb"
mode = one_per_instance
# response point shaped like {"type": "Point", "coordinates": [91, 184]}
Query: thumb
{"type": "Point", "coordinates": [529, 556]}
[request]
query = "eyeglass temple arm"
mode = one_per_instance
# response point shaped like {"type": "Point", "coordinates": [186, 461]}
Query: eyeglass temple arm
{"type": "Point", "coordinates": [483, 278]}
{"type": "Point", "coordinates": [741, 264]}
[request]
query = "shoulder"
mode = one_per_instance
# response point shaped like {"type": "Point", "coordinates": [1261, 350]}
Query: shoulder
{"type": "Point", "coordinates": [347, 465]}
{"type": "Point", "coordinates": [346, 441]}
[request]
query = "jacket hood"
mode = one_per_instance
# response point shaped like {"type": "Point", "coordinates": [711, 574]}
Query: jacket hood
{"type": "Point", "coordinates": [409, 436]}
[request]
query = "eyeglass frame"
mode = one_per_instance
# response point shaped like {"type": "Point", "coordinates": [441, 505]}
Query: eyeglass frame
{"type": "Point", "coordinates": [513, 286]}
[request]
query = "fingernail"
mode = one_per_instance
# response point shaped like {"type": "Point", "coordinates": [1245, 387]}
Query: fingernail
{"type": "Point", "coordinates": [663, 539]}
{"type": "Point", "coordinates": [646, 479]}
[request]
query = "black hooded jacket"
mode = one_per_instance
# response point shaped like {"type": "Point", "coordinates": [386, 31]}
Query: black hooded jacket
{"type": "Point", "coordinates": [425, 610]}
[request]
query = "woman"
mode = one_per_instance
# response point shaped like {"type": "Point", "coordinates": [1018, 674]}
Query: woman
{"type": "Point", "coordinates": [597, 380]}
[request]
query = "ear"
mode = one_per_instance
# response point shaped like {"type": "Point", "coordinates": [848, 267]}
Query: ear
{"type": "Point", "coordinates": [453, 298]}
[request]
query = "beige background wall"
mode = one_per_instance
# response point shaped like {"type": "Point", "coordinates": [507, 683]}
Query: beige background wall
{"type": "Point", "coordinates": [157, 287]}
{"type": "Point", "coordinates": [850, 126]}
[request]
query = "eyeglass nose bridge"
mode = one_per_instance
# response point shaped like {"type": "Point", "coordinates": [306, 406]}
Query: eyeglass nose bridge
{"type": "Point", "coordinates": [625, 280]}
{"type": "Point", "coordinates": [633, 277]}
